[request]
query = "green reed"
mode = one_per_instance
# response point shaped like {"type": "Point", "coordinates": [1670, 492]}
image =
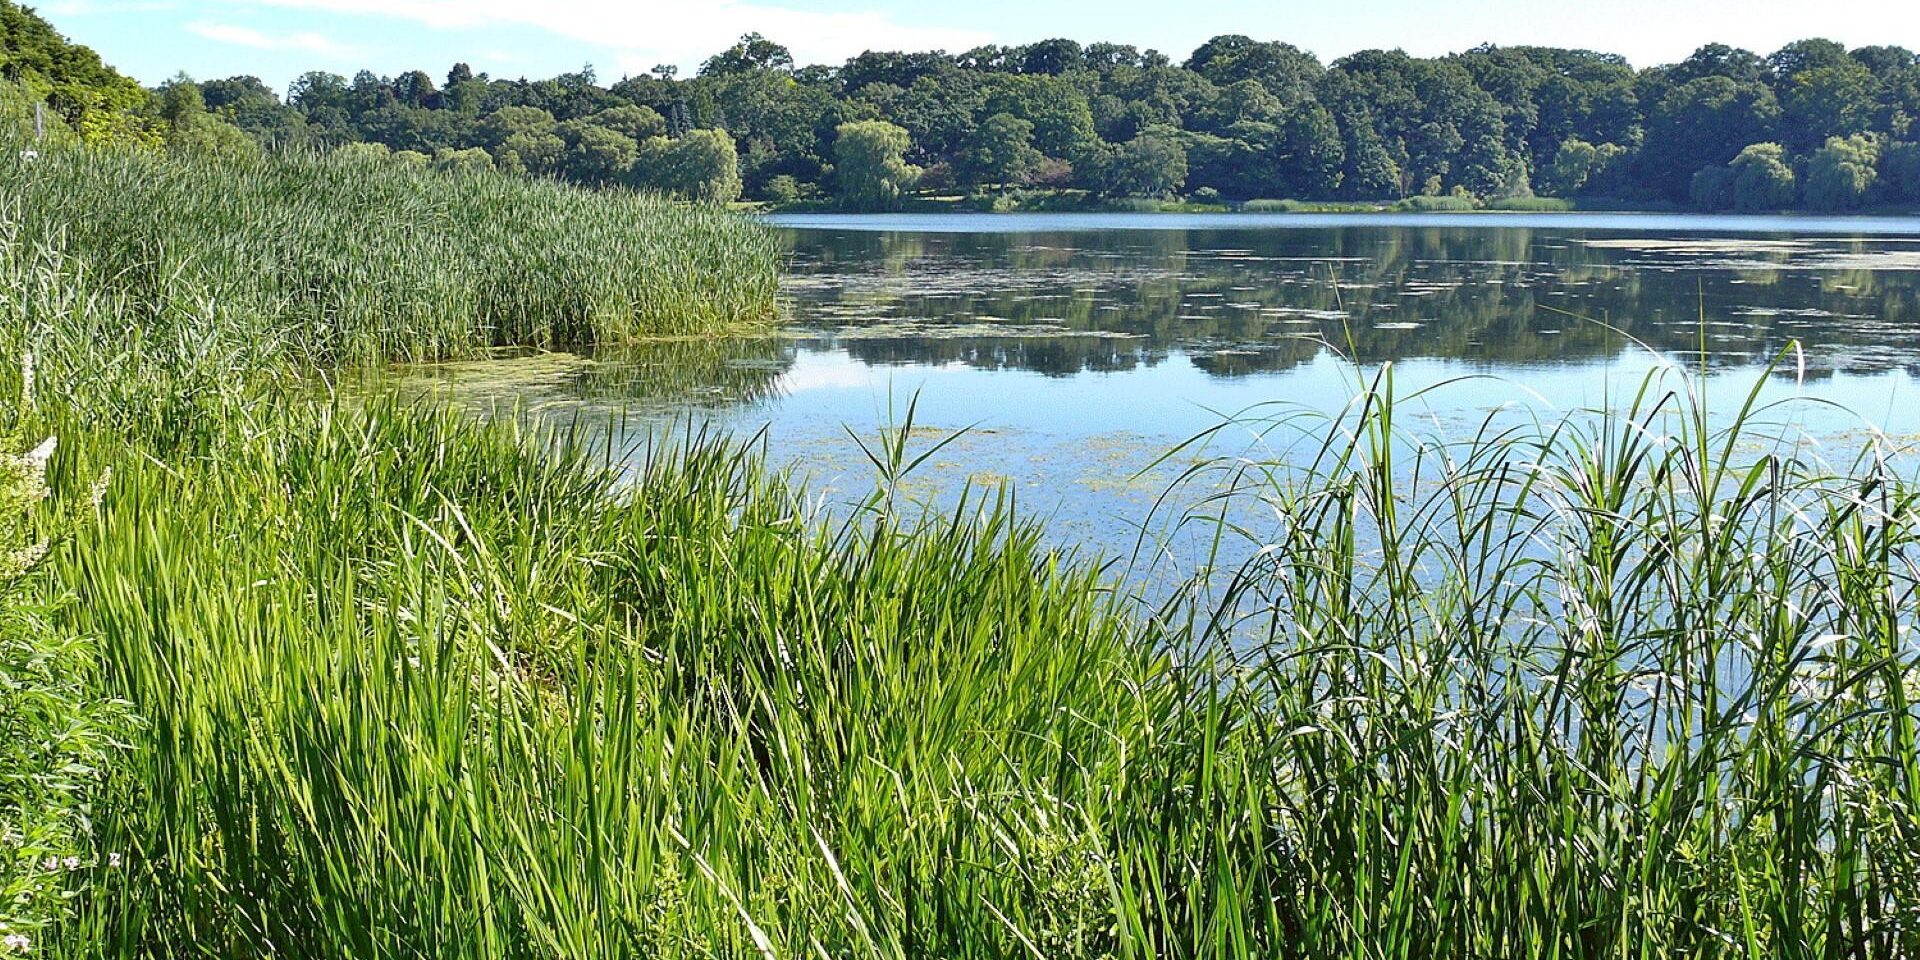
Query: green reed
{"type": "Point", "coordinates": [363, 261]}
{"type": "Point", "coordinates": [410, 683]}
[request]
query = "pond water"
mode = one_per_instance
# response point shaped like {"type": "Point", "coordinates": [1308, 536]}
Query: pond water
{"type": "Point", "coordinates": [1075, 350]}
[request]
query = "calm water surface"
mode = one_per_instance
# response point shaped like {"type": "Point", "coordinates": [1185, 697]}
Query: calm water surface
{"type": "Point", "coordinates": [1079, 348]}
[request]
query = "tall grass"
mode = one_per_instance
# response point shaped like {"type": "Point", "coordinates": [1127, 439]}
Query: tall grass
{"type": "Point", "coordinates": [361, 261]}
{"type": "Point", "coordinates": [1633, 683]}
{"type": "Point", "coordinates": [415, 684]}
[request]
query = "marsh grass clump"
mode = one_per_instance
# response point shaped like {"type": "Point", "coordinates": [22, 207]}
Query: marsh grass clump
{"type": "Point", "coordinates": [345, 261]}
{"type": "Point", "coordinates": [451, 688]}
{"type": "Point", "coordinates": [1629, 682]}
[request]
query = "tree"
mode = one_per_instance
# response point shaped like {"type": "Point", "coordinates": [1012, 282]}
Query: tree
{"type": "Point", "coordinates": [1841, 174]}
{"type": "Point", "coordinates": [1718, 60]}
{"type": "Point", "coordinates": [703, 165]}
{"type": "Point", "coordinates": [869, 165]}
{"type": "Point", "coordinates": [470, 160]}
{"type": "Point", "coordinates": [1001, 151]}
{"type": "Point", "coordinates": [1061, 116]}
{"type": "Point", "coordinates": [1802, 56]}
{"type": "Point", "coordinates": [1704, 123]}
{"type": "Point", "coordinates": [509, 121]}
{"type": "Point", "coordinates": [1828, 101]}
{"type": "Point", "coordinates": [636, 122]}
{"type": "Point", "coordinates": [1573, 165]}
{"type": "Point", "coordinates": [181, 98]}
{"type": "Point", "coordinates": [1282, 68]}
{"type": "Point", "coordinates": [754, 52]}
{"type": "Point", "coordinates": [538, 154]}
{"type": "Point", "coordinates": [1762, 180]}
{"type": "Point", "coordinates": [1900, 171]}
{"type": "Point", "coordinates": [1152, 164]}
{"type": "Point", "coordinates": [1712, 188]}
{"type": "Point", "coordinates": [596, 154]}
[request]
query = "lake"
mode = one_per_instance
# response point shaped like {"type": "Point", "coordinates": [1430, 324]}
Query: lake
{"type": "Point", "coordinates": [1071, 352]}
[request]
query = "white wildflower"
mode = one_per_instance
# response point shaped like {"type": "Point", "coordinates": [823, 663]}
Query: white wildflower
{"type": "Point", "coordinates": [113, 859]}
{"type": "Point", "coordinates": [16, 943]}
{"type": "Point", "coordinates": [71, 863]}
{"type": "Point", "coordinates": [98, 493]}
{"type": "Point", "coordinates": [29, 155]}
{"type": "Point", "coordinates": [38, 457]}
{"type": "Point", "coordinates": [24, 559]}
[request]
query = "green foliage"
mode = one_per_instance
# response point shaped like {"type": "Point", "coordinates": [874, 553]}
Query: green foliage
{"type": "Point", "coordinates": [415, 683]}
{"type": "Point", "coordinates": [703, 166]}
{"type": "Point", "coordinates": [1451, 203]}
{"type": "Point", "coordinates": [595, 154]}
{"type": "Point", "coordinates": [1762, 180]}
{"type": "Point", "coordinates": [312, 274]}
{"type": "Point", "coordinates": [782, 189]}
{"type": "Point", "coordinates": [1900, 171]}
{"type": "Point", "coordinates": [1531, 204]}
{"type": "Point", "coordinates": [1001, 151]}
{"type": "Point", "coordinates": [56, 732]}
{"type": "Point", "coordinates": [869, 165]}
{"type": "Point", "coordinates": [1706, 123]}
{"type": "Point", "coordinates": [1712, 188]}
{"type": "Point", "coordinates": [1837, 100]}
{"type": "Point", "coordinates": [470, 160]}
{"type": "Point", "coordinates": [1150, 165]}
{"type": "Point", "coordinates": [1254, 118]}
{"type": "Point", "coordinates": [91, 98]}
{"type": "Point", "coordinates": [635, 122]}
{"type": "Point", "coordinates": [1841, 175]}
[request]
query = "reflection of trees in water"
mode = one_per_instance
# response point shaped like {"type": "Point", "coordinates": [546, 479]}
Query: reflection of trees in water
{"type": "Point", "coordinates": [1500, 295]}
{"type": "Point", "coordinates": [1053, 356]}
{"type": "Point", "coordinates": [714, 372]}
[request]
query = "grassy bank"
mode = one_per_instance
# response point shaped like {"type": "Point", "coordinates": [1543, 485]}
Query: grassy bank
{"type": "Point", "coordinates": [404, 683]}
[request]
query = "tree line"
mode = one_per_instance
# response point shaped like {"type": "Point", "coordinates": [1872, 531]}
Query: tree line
{"type": "Point", "coordinates": [1812, 125]}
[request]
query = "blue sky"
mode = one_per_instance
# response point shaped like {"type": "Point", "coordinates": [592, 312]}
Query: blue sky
{"type": "Point", "coordinates": [279, 39]}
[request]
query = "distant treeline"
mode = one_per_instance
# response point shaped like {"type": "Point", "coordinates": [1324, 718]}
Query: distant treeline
{"type": "Point", "coordinates": [1811, 125]}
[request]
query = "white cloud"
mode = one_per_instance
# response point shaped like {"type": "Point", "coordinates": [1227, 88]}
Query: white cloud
{"type": "Point", "coordinates": [249, 37]}
{"type": "Point", "coordinates": [646, 32]}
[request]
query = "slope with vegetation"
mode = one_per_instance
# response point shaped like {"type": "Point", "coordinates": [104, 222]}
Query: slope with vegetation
{"type": "Point", "coordinates": [298, 675]}
{"type": "Point", "coordinates": [317, 677]}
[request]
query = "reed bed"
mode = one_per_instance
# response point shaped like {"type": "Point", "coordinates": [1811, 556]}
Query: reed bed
{"type": "Point", "coordinates": [363, 261]}
{"type": "Point", "coordinates": [404, 682]}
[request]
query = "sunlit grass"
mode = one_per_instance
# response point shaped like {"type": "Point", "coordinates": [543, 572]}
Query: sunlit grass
{"type": "Point", "coordinates": [411, 683]}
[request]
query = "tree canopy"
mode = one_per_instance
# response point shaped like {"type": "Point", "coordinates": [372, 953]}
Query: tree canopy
{"type": "Point", "coordinates": [1812, 124]}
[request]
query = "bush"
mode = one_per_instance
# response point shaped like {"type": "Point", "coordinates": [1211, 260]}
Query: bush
{"type": "Point", "coordinates": [784, 188]}
{"type": "Point", "coordinates": [1532, 204]}
{"type": "Point", "coordinates": [1440, 204]}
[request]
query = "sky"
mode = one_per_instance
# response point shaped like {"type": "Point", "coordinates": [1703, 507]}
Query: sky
{"type": "Point", "coordinates": [277, 40]}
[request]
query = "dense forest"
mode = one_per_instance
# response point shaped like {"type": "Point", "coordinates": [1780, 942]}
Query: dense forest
{"type": "Point", "coordinates": [1812, 125]}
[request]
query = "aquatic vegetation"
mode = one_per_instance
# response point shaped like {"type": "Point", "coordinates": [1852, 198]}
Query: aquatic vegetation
{"type": "Point", "coordinates": [336, 260]}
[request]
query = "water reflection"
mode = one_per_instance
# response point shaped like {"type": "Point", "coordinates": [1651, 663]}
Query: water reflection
{"type": "Point", "coordinates": [1072, 362]}
{"type": "Point", "coordinates": [1247, 302]}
